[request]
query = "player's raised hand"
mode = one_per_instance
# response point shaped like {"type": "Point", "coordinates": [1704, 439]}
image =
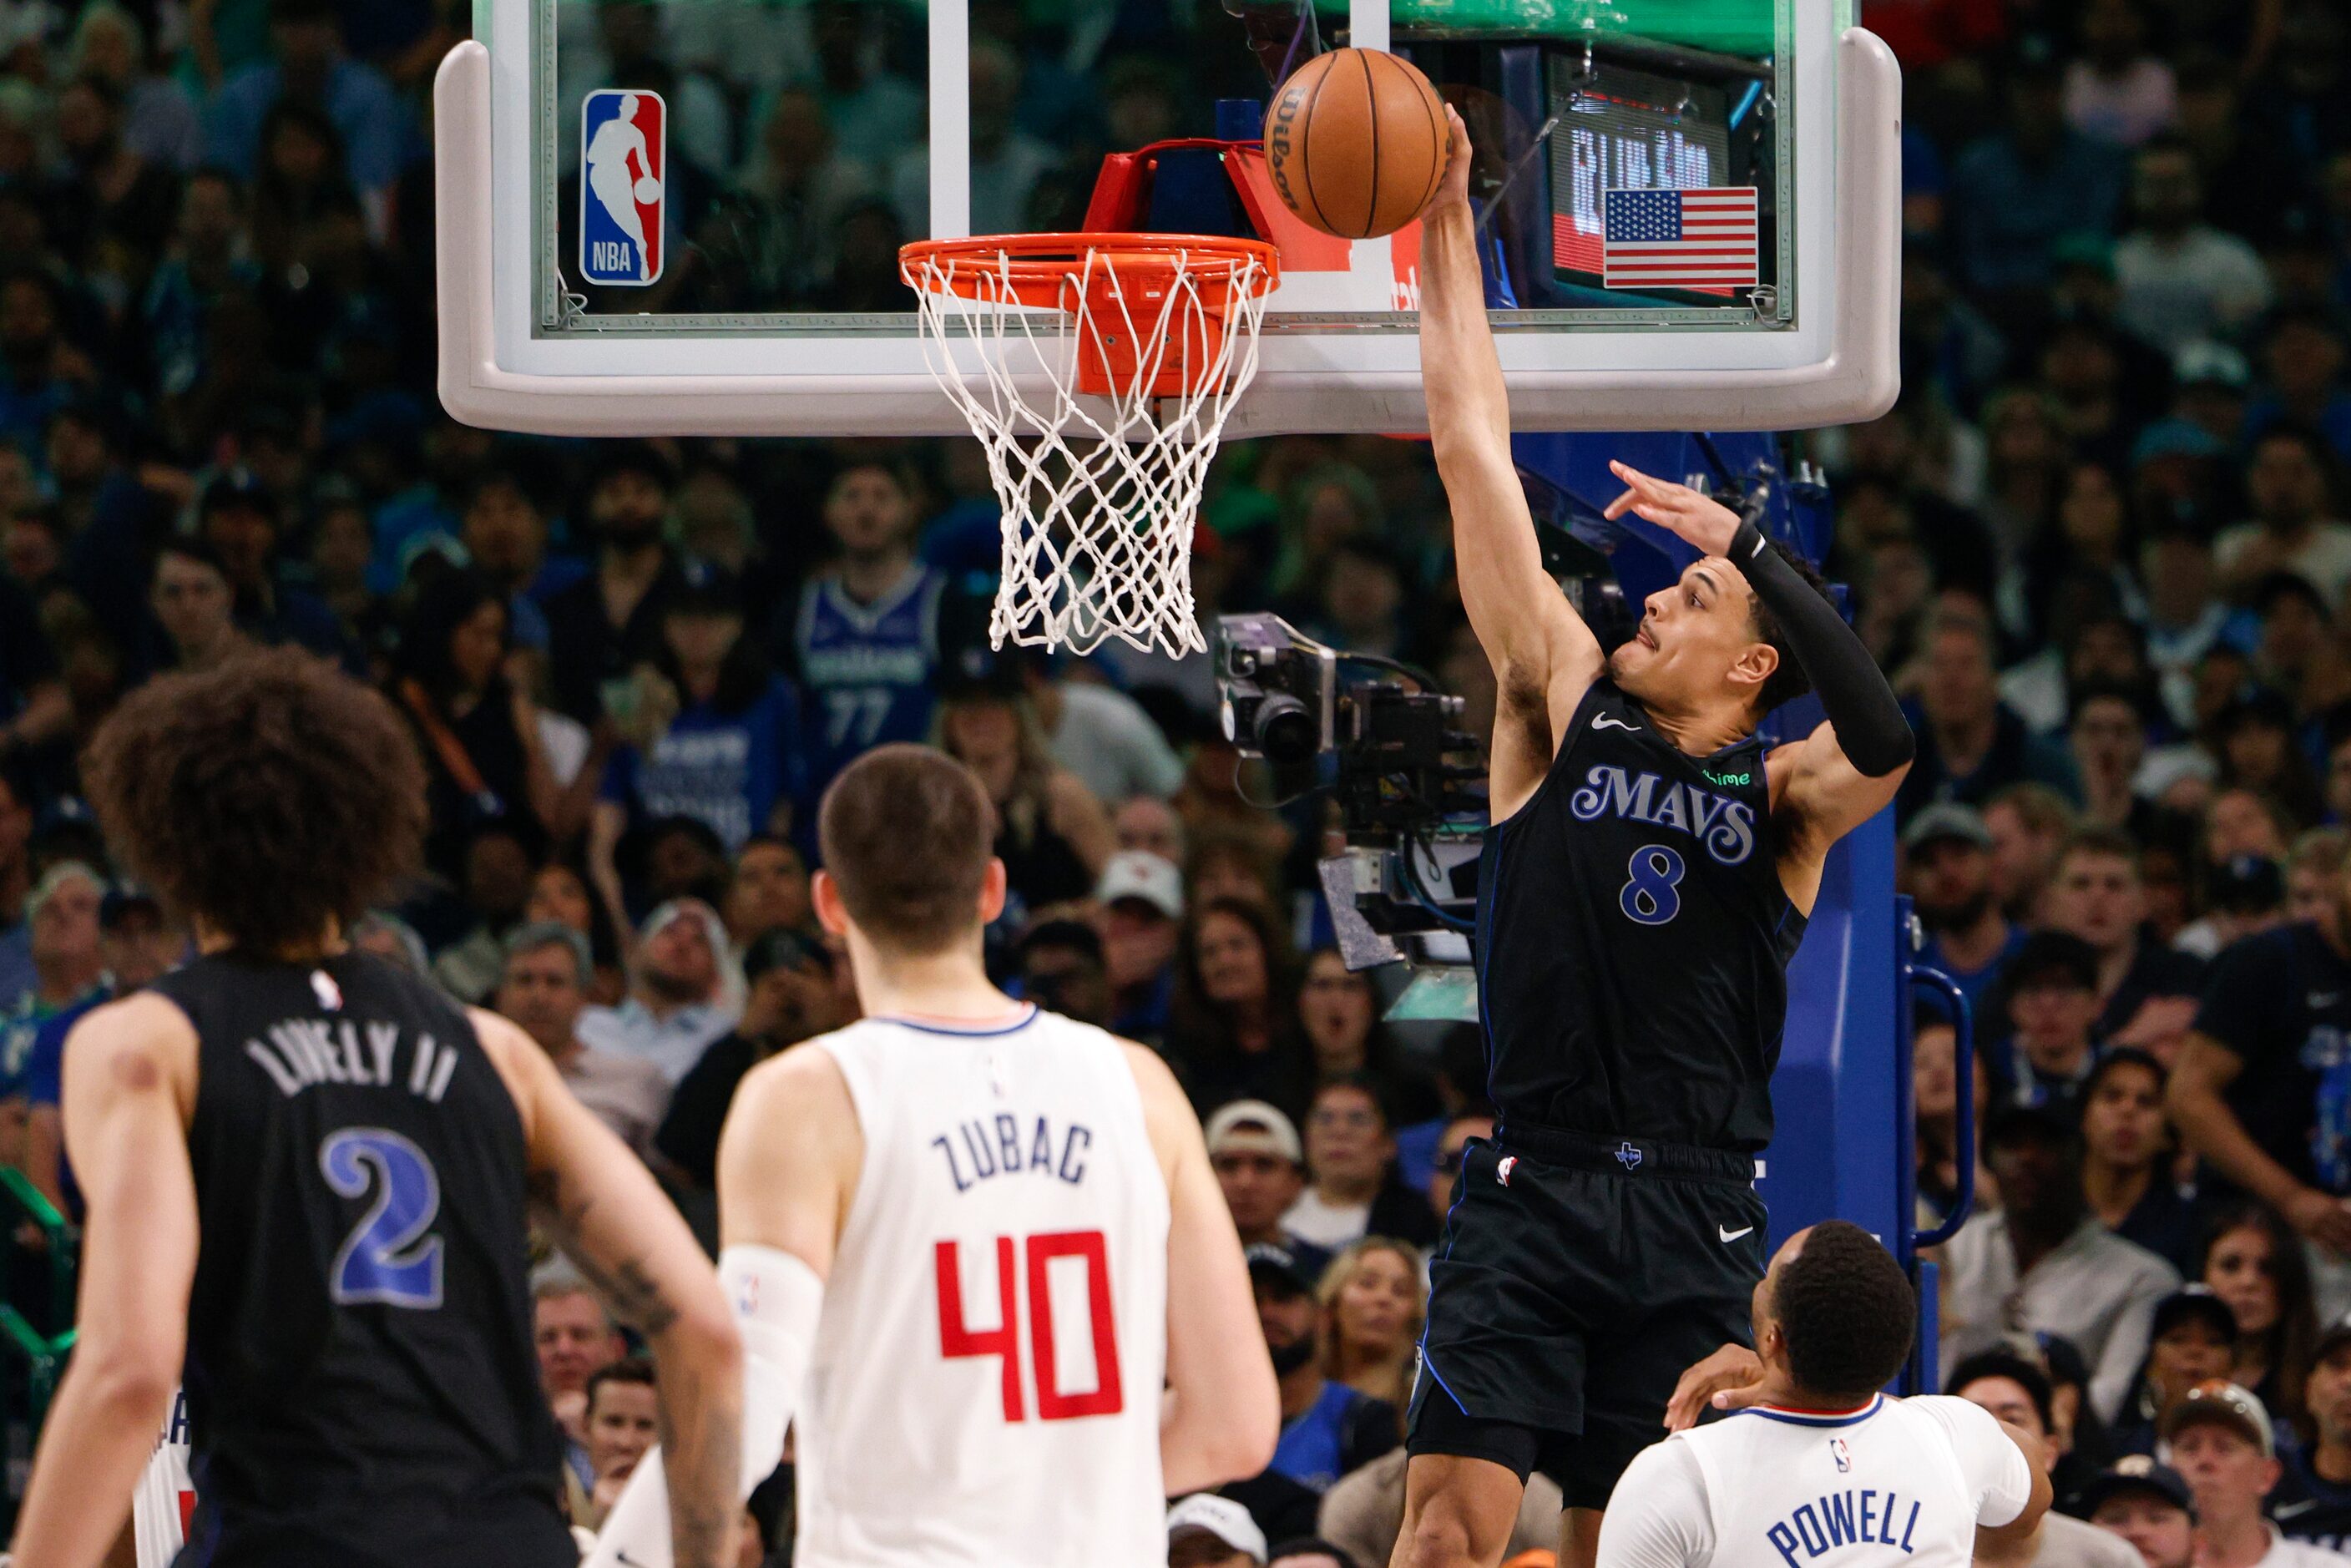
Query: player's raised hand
{"type": "Point", "coordinates": [1729, 1379]}
{"type": "Point", "coordinates": [1453, 185]}
{"type": "Point", "coordinates": [1677, 508]}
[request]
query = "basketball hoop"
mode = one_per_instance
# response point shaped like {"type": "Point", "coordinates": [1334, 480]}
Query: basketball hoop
{"type": "Point", "coordinates": [1099, 471]}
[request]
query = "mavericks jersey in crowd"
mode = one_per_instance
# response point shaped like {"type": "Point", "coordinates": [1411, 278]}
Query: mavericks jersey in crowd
{"type": "Point", "coordinates": [1898, 1480]}
{"type": "Point", "coordinates": [985, 1381]}
{"type": "Point", "coordinates": [1634, 939]}
{"type": "Point", "coordinates": [360, 1381]}
{"type": "Point", "coordinates": [166, 1499]}
{"type": "Point", "coordinates": [869, 673]}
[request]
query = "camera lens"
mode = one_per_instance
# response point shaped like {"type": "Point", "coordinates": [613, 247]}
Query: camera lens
{"type": "Point", "coordinates": [1286, 732]}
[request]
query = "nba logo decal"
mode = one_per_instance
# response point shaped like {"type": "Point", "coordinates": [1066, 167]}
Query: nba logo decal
{"type": "Point", "coordinates": [323, 986]}
{"type": "Point", "coordinates": [623, 170]}
{"type": "Point", "coordinates": [1842, 1455]}
{"type": "Point", "coordinates": [1502, 1171]}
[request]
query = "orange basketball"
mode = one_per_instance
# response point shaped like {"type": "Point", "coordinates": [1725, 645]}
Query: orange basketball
{"type": "Point", "coordinates": [1355, 143]}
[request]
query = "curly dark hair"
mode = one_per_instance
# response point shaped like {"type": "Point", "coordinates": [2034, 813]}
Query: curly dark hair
{"type": "Point", "coordinates": [265, 797]}
{"type": "Point", "coordinates": [1848, 1312]}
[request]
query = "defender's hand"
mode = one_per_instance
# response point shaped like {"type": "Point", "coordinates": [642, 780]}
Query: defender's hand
{"type": "Point", "coordinates": [1677, 508]}
{"type": "Point", "coordinates": [1454, 185]}
{"type": "Point", "coordinates": [1729, 1379]}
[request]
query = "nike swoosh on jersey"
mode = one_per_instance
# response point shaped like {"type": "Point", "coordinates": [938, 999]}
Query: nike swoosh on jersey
{"type": "Point", "coordinates": [1733, 1235]}
{"type": "Point", "coordinates": [1602, 721]}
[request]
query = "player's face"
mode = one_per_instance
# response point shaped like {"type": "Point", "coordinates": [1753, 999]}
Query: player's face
{"type": "Point", "coordinates": [1231, 960]}
{"type": "Point", "coordinates": [2189, 1353]}
{"type": "Point", "coordinates": [1259, 1186]}
{"type": "Point", "coordinates": [574, 1338]}
{"type": "Point", "coordinates": [2161, 1532]}
{"type": "Point", "coordinates": [2241, 1268]}
{"type": "Point", "coordinates": [868, 511]}
{"type": "Point", "coordinates": [2224, 1469]}
{"type": "Point", "coordinates": [1692, 638]}
{"type": "Point", "coordinates": [2122, 1124]}
{"type": "Point", "coordinates": [2097, 898]}
{"type": "Point", "coordinates": [1376, 1305]}
{"type": "Point", "coordinates": [622, 1424]}
{"type": "Point", "coordinates": [2327, 1393]}
{"type": "Point", "coordinates": [770, 889]}
{"type": "Point", "coordinates": [1346, 1138]}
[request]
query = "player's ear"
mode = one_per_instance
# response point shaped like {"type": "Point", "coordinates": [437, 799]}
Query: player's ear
{"type": "Point", "coordinates": [992, 892]}
{"type": "Point", "coordinates": [1755, 664]}
{"type": "Point", "coordinates": [824, 896]}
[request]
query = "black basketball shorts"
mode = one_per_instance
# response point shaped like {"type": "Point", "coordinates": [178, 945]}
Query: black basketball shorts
{"type": "Point", "coordinates": [1578, 1277]}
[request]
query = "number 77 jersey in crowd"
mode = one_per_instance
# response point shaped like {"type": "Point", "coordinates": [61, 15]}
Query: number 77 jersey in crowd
{"type": "Point", "coordinates": [984, 1389]}
{"type": "Point", "coordinates": [359, 1379]}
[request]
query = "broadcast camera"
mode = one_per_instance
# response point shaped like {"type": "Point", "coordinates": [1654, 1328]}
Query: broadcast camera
{"type": "Point", "coordinates": [1410, 791]}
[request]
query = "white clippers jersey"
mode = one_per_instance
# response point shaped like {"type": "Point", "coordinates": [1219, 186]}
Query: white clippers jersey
{"type": "Point", "coordinates": [984, 1390]}
{"type": "Point", "coordinates": [166, 1496]}
{"type": "Point", "coordinates": [1899, 1481]}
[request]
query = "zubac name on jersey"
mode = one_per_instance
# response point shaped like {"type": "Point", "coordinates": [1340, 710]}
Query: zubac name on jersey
{"type": "Point", "coordinates": [1724, 825]}
{"type": "Point", "coordinates": [305, 1052]}
{"type": "Point", "coordinates": [1848, 1517]}
{"type": "Point", "coordinates": [1014, 1145]}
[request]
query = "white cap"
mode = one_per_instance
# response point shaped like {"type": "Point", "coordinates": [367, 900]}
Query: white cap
{"type": "Point", "coordinates": [1221, 1516]}
{"type": "Point", "coordinates": [1139, 873]}
{"type": "Point", "coordinates": [1254, 1127]}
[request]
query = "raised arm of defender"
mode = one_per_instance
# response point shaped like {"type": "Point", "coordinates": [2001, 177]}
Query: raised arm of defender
{"type": "Point", "coordinates": [1543, 655]}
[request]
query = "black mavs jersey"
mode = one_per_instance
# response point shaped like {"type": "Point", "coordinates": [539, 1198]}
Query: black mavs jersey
{"type": "Point", "coordinates": [361, 1384]}
{"type": "Point", "coordinates": [1634, 939]}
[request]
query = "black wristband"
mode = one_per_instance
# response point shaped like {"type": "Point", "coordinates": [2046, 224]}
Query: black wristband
{"type": "Point", "coordinates": [1861, 708]}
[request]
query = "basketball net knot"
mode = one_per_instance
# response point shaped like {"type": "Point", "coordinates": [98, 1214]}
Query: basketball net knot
{"type": "Point", "coordinates": [1097, 372]}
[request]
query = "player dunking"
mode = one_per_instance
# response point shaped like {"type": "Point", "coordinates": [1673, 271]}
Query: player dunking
{"type": "Point", "coordinates": [307, 1171]}
{"type": "Point", "coordinates": [1646, 879]}
{"type": "Point", "coordinates": [979, 1255]}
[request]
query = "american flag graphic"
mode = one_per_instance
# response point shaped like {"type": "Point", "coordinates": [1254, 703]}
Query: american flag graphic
{"type": "Point", "coordinates": [1680, 239]}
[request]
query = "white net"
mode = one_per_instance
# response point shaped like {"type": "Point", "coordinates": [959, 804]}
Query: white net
{"type": "Point", "coordinates": [1100, 483]}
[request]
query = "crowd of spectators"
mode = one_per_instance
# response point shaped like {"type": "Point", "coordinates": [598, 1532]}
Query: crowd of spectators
{"type": "Point", "coordinates": [2100, 544]}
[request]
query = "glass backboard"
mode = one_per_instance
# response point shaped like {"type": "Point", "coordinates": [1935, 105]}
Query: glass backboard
{"type": "Point", "coordinates": [682, 216]}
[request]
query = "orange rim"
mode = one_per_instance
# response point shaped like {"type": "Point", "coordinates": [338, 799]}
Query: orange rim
{"type": "Point", "coordinates": [1040, 266]}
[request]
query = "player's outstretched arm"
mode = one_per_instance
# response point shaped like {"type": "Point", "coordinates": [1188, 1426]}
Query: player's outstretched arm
{"type": "Point", "coordinates": [130, 1079]}
{"type": "Point", "coordinates": [1847, 769]}
{"type": "Point", "coordinates": [1543, 655]}
{"type": "Point", "coordinates": [1223, 1413]}
{"type": "Point", "coordinates": [616, 1225]}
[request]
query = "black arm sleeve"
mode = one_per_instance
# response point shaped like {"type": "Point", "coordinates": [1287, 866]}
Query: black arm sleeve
{"type": "Point", "coordinates": [1861, 708]}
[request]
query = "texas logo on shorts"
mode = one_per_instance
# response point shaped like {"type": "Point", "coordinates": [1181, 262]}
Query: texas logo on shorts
{"type": "Point", "coordinates": [623, 164]}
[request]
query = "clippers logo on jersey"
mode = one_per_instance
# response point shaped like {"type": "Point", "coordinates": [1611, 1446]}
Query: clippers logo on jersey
{"type": "Point", "coordinates": [623, 189]}
{"type": "Point", "coordinates": [1724, 825]}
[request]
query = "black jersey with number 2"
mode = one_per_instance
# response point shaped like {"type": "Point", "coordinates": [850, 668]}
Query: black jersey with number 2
{"type": "Point", "coordinates": [361, 1384]}
{"type": "Point", "coordinates": [1634, 939]}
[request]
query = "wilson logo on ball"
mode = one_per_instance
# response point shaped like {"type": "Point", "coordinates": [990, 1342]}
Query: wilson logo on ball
{"type": "Point", "coordinates": [1357, 142]}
